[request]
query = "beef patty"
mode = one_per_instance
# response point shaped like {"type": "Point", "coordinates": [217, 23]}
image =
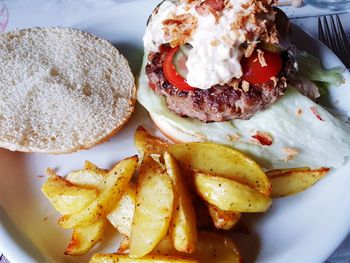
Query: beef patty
{"type": "Point", "coordinates": [220, 102]}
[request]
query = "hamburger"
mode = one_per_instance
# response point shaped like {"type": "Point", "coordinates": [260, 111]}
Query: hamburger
{"type": "Point", "coordinates": [218, 70]}
{"type": "Point", "coordinates": [212, 60]}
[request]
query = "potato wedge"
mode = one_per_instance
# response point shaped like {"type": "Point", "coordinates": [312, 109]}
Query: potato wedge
{"type": "Point", "coordinates": [154, 207]}
{"type": "Point", "coordinates": [214, 248]}
{"type": "Point", "coordinates": [122, 215]}
{"type": "Point", "coordinates": [91, 166]}
{"type": "Point", "coordinates": [211, 248]}
{"type": "Point", "coordinates": [209, 157]}
{"type": "Point", "coordinates": [84, 238]}
{"type": "Point", "coordinates": [147, 144]}
{"type": "Point", "coordinates": [274, 172]}
{"type": "Point", "coordinates": [113, 258]}
{"type": "Point", "coordinates": [124, 245]}
{"type": "Point", "coordinates": [292, 181]}
{"type": "Point", "coordinates": [229, 195]}
{"type": "Point", "coordinates": [65, 197]}
{"type": "Point", "coordinates": [86, 177]}
{"type": "Point", "coordinates": [112, 189]}
{"type": "Point", "coordinates": [223, 219]}
{"type": "Point", "coordinates": [183, 228]}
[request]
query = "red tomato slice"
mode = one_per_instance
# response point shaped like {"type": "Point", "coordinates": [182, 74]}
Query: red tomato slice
{"type": "Point", "coordinates": [254, 73]}
{"type": "Point", "coordinates": [172, 75]}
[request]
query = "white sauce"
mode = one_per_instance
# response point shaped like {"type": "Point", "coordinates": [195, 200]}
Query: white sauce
{"type": "Point", "coordinates": [207, 64]}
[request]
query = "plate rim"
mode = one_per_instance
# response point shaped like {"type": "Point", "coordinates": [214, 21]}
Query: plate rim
{"type": "Point", "coordinates": [12, 250]}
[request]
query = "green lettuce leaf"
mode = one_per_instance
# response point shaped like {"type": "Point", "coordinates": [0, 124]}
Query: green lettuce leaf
{"type": "Point", "coordinates": [293, 122]}
{"type": "Point", "coordinates": [310, 67]}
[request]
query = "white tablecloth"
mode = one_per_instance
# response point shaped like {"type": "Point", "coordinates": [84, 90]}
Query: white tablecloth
{"type": "Point", "coordinates": [60, 13]}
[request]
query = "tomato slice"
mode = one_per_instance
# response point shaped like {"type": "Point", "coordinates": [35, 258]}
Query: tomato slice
{"type": "Point", "coordinates": [254, 73]}
{"type": "Point", "coordinates": [172, 75]}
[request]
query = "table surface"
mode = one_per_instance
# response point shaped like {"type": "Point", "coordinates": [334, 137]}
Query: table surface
{"type": "Point", "coordinates": [306, 17]}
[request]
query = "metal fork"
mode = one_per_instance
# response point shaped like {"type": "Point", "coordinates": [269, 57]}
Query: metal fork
{"type": "Point", "coordinates": [331, 33]}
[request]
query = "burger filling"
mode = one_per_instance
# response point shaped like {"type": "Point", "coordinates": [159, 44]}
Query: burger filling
{"type": "Point", "coordinates": [216, 60]}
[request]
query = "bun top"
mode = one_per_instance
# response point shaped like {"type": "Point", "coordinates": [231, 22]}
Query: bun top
{"type": "Point", "coordinates": [61, 90]}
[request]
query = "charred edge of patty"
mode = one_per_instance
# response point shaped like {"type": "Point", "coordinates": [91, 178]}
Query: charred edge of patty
{"type": "Point", "coordinates": [220, 102]}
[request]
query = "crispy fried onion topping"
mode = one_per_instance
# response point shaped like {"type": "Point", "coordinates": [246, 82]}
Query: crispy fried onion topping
{"type": "Point", "coordinates": [258, 20]}
{"type": "Point", "coordinates": [179, 28]}
{"type": "Point", "coordinates": [262, 19]}
{"type": "Point", "coordinates": [206, 7]}
{"type": "Point", "coordinates": [291, 153]}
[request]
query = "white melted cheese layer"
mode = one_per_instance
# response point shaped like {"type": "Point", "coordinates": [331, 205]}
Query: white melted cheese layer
{"type": "Point", "coordinates": [215, 56]}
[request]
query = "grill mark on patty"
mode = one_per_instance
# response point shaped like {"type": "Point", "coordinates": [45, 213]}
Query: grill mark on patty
{"type": "Point", "coordinates": [220, 102]}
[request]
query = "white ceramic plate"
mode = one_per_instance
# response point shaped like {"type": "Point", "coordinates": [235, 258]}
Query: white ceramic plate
{"type": "Point", "coordinates": [303, 228]}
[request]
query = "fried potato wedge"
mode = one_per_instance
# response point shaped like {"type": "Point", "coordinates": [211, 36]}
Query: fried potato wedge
{"type": "Point", "coordinates": [111, 190]}
{"type": "Point", "coordinates": [292, 181]}
{"type": "Point", "coordinates": [124, 245]}
{"type": "Point", "coordinates": [211, 248]}
{"type": "Point", "coordinates": [65, 197]}
{"type": "Point", "coordinates": [154, 208]}
{"type": "Point", "coordinates": [229, 195]}
{"type": "Point", "coordinates": [213, 158]}
{"type": "Point", "coordinates": [87, 177]}
{"type": "Point", "coordinates": [84, 238]}
{"type": "Point", "coordinates": [91, 166]}
{"type": "Point", "coordinates": [214, 248]}
{"type": "Point", "coordinates": [122, 215]}
{"type": "Point", "coordinates": [113, 258]}
{"type": "Point", "coordinates": [183, 228]}
{"type": "Point", "coordinates": [147, 144]}
{"type": "Point", "coordinates": [274, 172]}
{"type": "Point", "coordinates": [223, 219]}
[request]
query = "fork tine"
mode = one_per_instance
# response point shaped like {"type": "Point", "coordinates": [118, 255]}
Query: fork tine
{"type": "Point", "coordinates": [329, 38]}
{"type": "Point", "coordinates": [335, 36]}
{"type": "Point", "coordinates": [345, 54]}
{"type": "Point", "coordinates": [344, 41]}
{"type": "Point", "coordinates": [331, 33]}
{"type": "Point", "coordinates": [321, 31]}
{"type": "Point", "coordinates": [326, 32]}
